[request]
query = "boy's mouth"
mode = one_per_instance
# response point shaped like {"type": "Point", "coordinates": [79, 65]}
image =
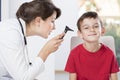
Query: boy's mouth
{"type": "Point", "coordinates": [92, 34]}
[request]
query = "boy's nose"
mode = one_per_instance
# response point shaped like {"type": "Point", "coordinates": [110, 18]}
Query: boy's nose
{"type": "Point", "coordinates": [92, 29]}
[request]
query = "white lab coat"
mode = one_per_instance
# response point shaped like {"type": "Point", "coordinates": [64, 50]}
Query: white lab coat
{"type": "Point", "coordinates": [14, 63]}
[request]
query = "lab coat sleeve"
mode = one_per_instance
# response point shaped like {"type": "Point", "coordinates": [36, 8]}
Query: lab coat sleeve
{"type": "Point", "coordinates": [13, 57]}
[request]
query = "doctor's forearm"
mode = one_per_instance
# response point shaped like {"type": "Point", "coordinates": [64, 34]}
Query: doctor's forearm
{"type": "Point", "coordinates": [43, 55]}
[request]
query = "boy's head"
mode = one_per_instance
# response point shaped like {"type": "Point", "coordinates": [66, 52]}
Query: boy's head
{"type": "Point", "coordinates": [90, 25]}
{"type": "Point", "coordinates": [89, 14]}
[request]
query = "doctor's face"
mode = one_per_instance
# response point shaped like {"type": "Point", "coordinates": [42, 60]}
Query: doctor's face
{"type": "Point", "coordinates": [46, 26]}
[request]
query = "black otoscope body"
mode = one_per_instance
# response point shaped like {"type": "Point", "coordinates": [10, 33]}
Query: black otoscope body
{"type": "Point", "coordinates": [66, 29]}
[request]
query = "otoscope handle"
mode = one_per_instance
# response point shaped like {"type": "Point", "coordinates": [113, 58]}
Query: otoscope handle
{"type": "Point", "coordinates": [65, 31]}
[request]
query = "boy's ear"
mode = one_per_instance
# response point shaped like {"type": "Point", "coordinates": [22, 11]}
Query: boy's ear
{"type": "Point", "coordinates": [103, 31]}
{"type": "Point", "coordinates": [79, 34]}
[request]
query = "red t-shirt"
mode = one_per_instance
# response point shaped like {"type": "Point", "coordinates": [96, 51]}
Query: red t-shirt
{"type": "Point", "coordinates": [92, 66]}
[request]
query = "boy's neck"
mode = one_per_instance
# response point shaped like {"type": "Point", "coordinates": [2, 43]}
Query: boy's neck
{"type": "Point", "coordinates": [92, 47]}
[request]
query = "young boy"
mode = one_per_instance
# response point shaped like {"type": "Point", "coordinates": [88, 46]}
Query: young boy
{"type": "Point", "coordinates": [91, 60]}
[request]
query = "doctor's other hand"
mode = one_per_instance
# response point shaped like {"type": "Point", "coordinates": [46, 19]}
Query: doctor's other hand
{"type": "Point", "coordinates": [51, 46]}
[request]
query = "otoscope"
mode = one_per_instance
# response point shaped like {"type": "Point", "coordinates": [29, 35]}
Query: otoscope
{"type": "Point", "coordinates": [65, 31]}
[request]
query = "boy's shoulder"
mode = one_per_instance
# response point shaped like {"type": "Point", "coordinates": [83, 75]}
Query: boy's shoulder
{"type": "Point", "coordinates": [107, 49]}
{"type": "Point", "coordinates": [77, 49]}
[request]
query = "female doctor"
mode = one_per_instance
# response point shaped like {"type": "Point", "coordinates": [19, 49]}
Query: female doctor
{"type": "Point", "coordinates": [35, 18]}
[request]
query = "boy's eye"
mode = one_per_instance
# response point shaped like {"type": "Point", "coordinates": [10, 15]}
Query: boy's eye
{"type": "Point", "coordinates": [96, 26]}
{"type": "Point", "coordinates": [86, 28]}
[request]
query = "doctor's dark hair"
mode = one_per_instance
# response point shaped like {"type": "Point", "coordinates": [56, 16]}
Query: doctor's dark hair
{"type": "Point", "coordinates": [37, 8]}
{"type": "Point", "coordinates": [43, 0]}
{"type": "Point", "coordinates": [88, 14]}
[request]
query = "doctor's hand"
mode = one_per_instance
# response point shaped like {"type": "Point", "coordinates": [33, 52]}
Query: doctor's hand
{"type": "Point", "coordinates": [51, 46]}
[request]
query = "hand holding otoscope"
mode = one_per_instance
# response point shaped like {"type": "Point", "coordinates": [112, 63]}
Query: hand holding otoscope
{"type": "Point", "coordinates": [65, 31]}
{"type": "Point", "coordinates": [53, 44]}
